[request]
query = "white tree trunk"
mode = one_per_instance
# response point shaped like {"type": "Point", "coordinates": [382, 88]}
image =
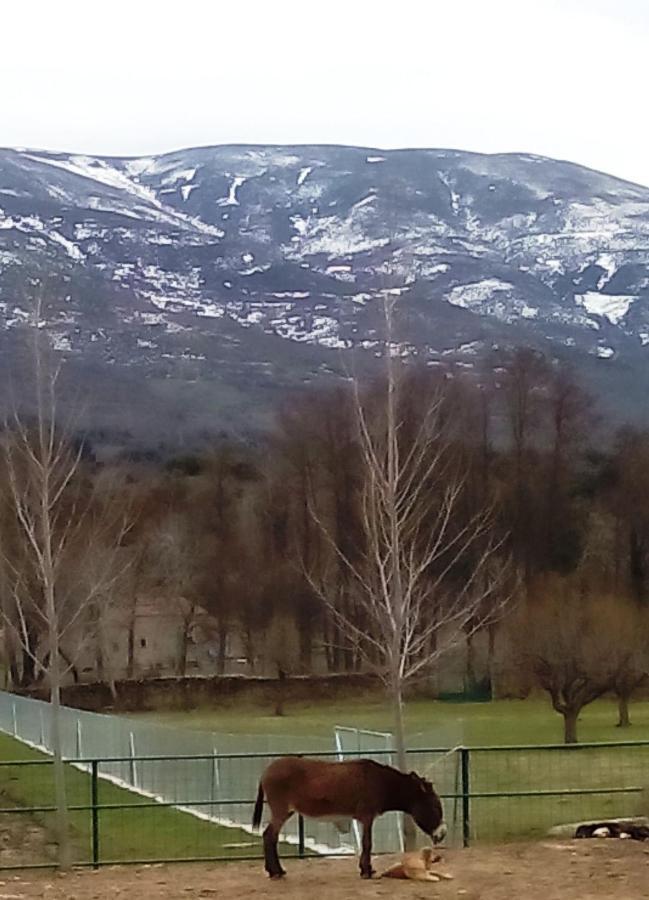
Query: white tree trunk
{"type": "Point", "coordinates": [409, 830]}
{"type": "Point", "coordinates": [60, 793]}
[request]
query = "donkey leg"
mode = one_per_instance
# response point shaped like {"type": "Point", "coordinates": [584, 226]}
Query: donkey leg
{"type": "Point", "coordinates": [366, 852]}
{"type": "Point", "coordinates": [271, 836]}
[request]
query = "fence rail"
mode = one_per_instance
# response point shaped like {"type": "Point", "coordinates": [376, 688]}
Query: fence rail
{"type": "Point", "coordinates": [501, 793]}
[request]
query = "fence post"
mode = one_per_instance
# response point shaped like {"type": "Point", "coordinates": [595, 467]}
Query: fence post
{"type": "Point", "coordinates": [94, 803]}
{"type": "Point", "coordinates": [131, 747]}
{"type": "Point", "coordinates": [300, 836]}
{"type": "Point", "coordinates": [466, 795]}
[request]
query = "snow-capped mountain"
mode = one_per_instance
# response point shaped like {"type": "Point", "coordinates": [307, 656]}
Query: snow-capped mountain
{"type": "Point", "coordinates": [237, 269]}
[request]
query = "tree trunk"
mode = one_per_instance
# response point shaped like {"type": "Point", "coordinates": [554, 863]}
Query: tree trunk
{"type": "Point", "coordinates": [469, 678]}
{"type": "Point", "coordinates": [222, 649]}
{"type": "Point", "coordinates": [624, 720]}
{"type": "Point", "coordinates": [100, 667]}
{"type": "Point", "coordinates": [570, 726]}
{"type": "Point", "coordinates": [280, 697]}
{"type": "Point", "coordinates": [60, 795]}
{"type": "Point", "coordinates": [491, 660]}
{"type": "Point", "coordinates": [409, 830]}
{"type": "Point", "coordinates": [130, 663]}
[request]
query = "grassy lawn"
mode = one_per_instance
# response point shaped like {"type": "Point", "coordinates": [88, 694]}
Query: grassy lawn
{"type": "Point", "coordinates": [125, 834]}
{"type": "Point", "coordinates": [498, 724]}
{"type": "Point", "coordinates": [481, 724]}
{"type": "Point", "coordinates": [157, 833]}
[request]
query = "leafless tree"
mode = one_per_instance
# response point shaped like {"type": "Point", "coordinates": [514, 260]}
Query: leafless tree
{"type": "Point", "coordinates": [57, 520]}
{"type": "Point", "coordinates": [429, 571]}
{"type": "Point", "coordinates": [171, 559]}
{"type": "Point", "coordinates": [575, 645]}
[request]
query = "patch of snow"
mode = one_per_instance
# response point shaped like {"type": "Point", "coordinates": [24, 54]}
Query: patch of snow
{"type": "Point", "coordinates": [31, 224]}
{"type": "Point", "coordinates": [375, 159]}
{"type": "Point", "coordinates": [146, 344]}
{"type": "Point", "coordinates": [82, 231]}
{"type": "Point", "coordinates": [369, 199]}
{"type": "Point", "coordinates": [186, 190]}
{"type": "Point", "coordinates": [175, 328]}
{"type": "Point", "coordinates": [472, 347]}
{"type": "Point", "coordinates": [211, 310]}
{"type": "Point", "coordinates": [153, 318]}
{"type": "Point", "coordinates": [455, 197]}
{"type": "Point", "coordinates": [99, 170]}
{"type": "Point", "coordinates": [123, 270]}
{"type": "Point", "coordinates": [255, 269]}
{"type": "Point", "coordinates": [179, 175]}
{"type": "Point", "coordinates": [248, 258]}
{"type": "Point", "coordinates": [331, 236]}
{"type": "Point", "coordinates": [58, 193]}
{"type": "Point", "coordinates": [303, 174]}
{"type": "Point", "coordinates": [60, 341]}
{"type": "Point", "coordinates": [644, 338]}
{"type": "Point", "coordinates": [231, 199]}
{"type": "Point", "coordinates": [136, 167]}
{"type": "Point", "coordinates": [607, 262]}
{"type": "Point", "coordinates": [468, 296]}
{"type": "Point", "coordinates": [9, 192]}
{"type": "Point", "coordinates": [102, 206]}
{"type": "Point", "coordinates": [605, 352]}
{"type": "Point", "coordinates": [434, 269]}
{"type": "Point", "coordinates": [614, 307]}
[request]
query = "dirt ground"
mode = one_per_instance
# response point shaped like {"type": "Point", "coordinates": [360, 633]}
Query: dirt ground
{"type": "Point", "coordinates": [587, 870]}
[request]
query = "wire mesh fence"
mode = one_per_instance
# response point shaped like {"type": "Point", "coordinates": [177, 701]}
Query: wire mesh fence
{"type": "Point", "coordinates": [151, 760]}
{"type": "Point", "coordinates": [171, 804]}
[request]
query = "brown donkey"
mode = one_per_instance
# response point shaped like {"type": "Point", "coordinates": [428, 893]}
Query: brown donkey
{"type": "Point", "coordinates": [360, 789]}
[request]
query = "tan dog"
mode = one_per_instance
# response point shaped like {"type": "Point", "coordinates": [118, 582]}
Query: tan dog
{"type": "Point", "coordinates": [417, 866]}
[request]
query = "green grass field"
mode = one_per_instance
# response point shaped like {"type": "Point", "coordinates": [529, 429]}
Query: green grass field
{"type": "Point", "coordinates": [125, 834]}
{"type": "Point", "coordinates": [616, 778]}
{"type": "Point", "coordinates": [482, 724]}
{"type": "Point", "coordinates": [498, 724]}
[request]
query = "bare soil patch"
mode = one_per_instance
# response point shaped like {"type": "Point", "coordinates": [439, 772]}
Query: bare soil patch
{"type": "Point", "coordinates": [584, 870]}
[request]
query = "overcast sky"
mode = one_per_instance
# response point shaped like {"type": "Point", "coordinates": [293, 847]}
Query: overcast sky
{"type": "Point", "coordinates": [563, 78]}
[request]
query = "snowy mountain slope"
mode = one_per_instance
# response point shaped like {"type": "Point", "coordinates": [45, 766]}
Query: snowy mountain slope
{"type": "Point", "coordinates": [250, 265]}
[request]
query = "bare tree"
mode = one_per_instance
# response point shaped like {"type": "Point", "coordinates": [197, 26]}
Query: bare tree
{"type": "Point", "coordinates": [627, 625]}
{"type": "Point", "coordinates": [573, 647]}
{"type": "Point", "coordinates": [429, 570]}
{"type": "Point", "coordinates": [57, 519]}
{"type": "Point", "coordinates": [171, 561]}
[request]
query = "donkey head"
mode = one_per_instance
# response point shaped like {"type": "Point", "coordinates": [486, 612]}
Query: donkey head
{"type": "Point", "coordinates": [426, 808]}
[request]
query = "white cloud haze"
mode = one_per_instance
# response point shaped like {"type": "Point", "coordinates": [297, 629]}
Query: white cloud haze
{"type": "Point", "coordinates": [563, 78]}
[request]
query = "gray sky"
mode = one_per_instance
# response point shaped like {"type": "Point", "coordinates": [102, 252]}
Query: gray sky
{"type": "Point", "coordinates": [564, 78]}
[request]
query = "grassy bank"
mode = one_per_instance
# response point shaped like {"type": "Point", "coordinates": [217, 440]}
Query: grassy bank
{"type": "Point", "coordinates": [124, 834]}
{"type": "Point", "coordinates": [499, 723]}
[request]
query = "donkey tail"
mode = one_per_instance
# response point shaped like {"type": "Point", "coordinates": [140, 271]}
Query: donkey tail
{"type": "Point", "coordinates": [259, 806]}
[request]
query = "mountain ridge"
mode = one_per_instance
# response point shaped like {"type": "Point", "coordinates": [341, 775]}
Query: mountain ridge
{"type": "Point", "coordinates": [249, 267]}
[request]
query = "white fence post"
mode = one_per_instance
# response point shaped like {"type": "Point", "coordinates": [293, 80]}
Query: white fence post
{"type": "Point", "coordinates": [131, 744]}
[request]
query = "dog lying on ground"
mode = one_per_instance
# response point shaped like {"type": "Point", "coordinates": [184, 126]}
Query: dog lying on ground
{"type": "Point", "coordinates": [613, 830]}
{"type": "Point", "coordinates": [417, 866]}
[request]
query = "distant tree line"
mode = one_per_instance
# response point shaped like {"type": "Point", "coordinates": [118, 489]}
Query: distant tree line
{"type": "Point", "coordinates": [255, 534]}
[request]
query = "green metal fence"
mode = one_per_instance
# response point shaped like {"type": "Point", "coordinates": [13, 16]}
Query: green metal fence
{"type": "Point", "coordinates": [500, 793]}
